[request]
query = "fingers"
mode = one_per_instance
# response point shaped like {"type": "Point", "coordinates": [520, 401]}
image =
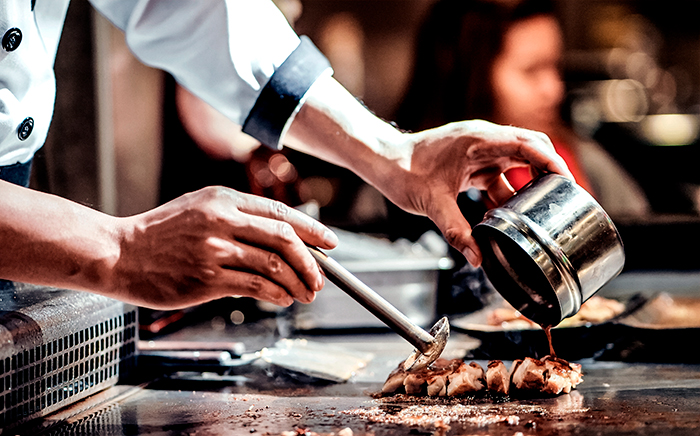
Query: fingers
{"type": "Point", "coordinates": [307, 228]}
{"type": "Point", "coordinates": [275, 227]}
{"type": "Point", "coordinates": [287, 230]}
{"type": "Point", "coordinates": [217, 242]}
{"type": "Point", "coordinates": [280, 237]}
{"type": "Point", "coordinates": [455, 228]}
{"type": "Point", "coordinates": [541, 154]}
{"type": "Point", "coordinates": [500, 190]}
{"type": "Point", "coordinates": [269, 265]}
{"type": "Point", "coordinates": [248, 284]}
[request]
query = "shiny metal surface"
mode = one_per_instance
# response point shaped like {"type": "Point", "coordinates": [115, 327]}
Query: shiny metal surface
{"type": "Point", "coordinates": [419, 360]}
{"type": "Point", "coordinates": [429, 345]}
{"type": "Point", "coordinates": [404, 273]}
{"type": "Point", "coordinates": [59, 346]}
{"type": "Point", "coordinates": [549, 248]}
{"type": "Point", "coordinates": [614, 399]}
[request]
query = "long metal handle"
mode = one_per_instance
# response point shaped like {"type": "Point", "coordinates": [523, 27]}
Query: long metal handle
{"type": "Point", "coordinates": [373, 302]}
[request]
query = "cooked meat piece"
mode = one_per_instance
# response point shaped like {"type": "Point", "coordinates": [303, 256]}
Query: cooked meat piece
{"type": "Point", "coordinates": [549, 375]}
{"type": "Point", "coordinates": [466, 378]}
{"type": "Point", "coordinates": [395, 380]}
{"type": "Point", "coordinates": [528, 374]}
{"type": "Point", "coordinates": [432, 380]}
{"type": "Point", "coordinates": [437, 376]}
{"type": "Point", "coordinates": [413, 383]}
{"type": "Point", "coordinates": [575, 375]}
{"type": "Point", "coordinates": [437, 386]}
{"type": "Point", "coordinates": [562, 376]}
{"type": "Point", "coordinates": [557, 380]}
{"type": "Point", "coordinates": [497, 377]}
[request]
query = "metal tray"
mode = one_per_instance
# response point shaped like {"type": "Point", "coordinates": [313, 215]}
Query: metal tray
{"type": "Point", "coordinates": [406, 274]}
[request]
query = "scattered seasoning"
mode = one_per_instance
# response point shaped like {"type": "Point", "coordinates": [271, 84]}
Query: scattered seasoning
{"type": "Point", "coordinates": [440, 413]}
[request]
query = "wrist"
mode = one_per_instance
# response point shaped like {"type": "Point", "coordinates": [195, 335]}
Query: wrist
{"type": "Point", "coordinates": [105, 279]}
{"type": "Point", "coordinates": [334, 126]}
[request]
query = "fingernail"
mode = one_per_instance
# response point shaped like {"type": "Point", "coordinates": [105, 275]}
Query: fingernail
{"type": "Point", "coordinates": [471, 256]}
{"type": "Point", "coordinates": [330, 238]}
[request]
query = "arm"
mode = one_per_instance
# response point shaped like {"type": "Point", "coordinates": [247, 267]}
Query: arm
{"type": "Point", "coordinates": [421, 172]}
{"type": "Point", "coordinates": [47, 240]}
{"type": "Point", "coordinates": [206, 245]}
{"type": "Point", "coordinates": [223, 51]}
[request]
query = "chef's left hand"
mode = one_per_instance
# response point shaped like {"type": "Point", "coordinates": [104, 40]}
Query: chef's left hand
{"type": "Point", "coordinates": [214, 243]}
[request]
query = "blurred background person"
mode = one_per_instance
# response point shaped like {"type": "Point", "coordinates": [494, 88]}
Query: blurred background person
{"type": "Point", "coordinates": [501, 61]}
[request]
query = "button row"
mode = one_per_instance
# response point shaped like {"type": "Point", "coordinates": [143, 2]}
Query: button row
{"type": "Point", "coordinates": [10, 42]}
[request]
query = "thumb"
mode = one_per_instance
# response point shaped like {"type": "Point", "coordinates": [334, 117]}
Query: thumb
{"type": "Point", "coordinates": [455, 228]}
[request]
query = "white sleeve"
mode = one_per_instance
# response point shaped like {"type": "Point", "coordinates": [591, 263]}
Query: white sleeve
{"type": "Point", "coordinates": [224, 51]}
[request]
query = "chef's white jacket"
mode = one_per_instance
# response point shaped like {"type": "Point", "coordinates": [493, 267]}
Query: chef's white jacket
{"type": "Point", "coordinates": [224, 51]}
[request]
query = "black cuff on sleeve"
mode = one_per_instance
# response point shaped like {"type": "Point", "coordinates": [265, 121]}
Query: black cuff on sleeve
{"type": "Point", "coordinates": [281, 95]}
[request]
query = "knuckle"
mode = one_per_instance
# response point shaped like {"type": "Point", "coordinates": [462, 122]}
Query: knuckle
{"type": "Point", "coordinates": [214, 199]}
{"type": "Point", "coordinates": [206, 250]}
{"type": "Point", "coordinates": [279, 210]}
{"type": "Point", "coordinates": [255, 284]}
{"type": "Point", "coordinates": [285, 231]}
{"type": "Point", "coordinates": [210, 245]}
{"type": "Point", "coordinates": [205, 271]}
{"type": "Point", "coordinates": [274, 263]}
{"type": "Point", "coordinates": [453, 237]}
{"type": "Point", "coordinates": [202, 197]}
{"type": "Point", "coordinates": [214, 192]}
{"type": "Point", "coordinates": [207, 276]}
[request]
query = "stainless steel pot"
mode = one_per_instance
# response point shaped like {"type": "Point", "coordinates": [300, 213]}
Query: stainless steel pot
{"type": "Point", "coordinates": [549, 248]}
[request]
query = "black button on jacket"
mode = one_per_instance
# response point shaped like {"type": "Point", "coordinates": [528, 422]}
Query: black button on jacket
{"type": "Point", "coordinates": [12, 39]}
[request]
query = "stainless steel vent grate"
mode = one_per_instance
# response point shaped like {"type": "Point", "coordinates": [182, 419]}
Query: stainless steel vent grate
{"type": "Point", "coordinates": [57, 347]}
{"type": "Point", "coordinates": [103, 422]}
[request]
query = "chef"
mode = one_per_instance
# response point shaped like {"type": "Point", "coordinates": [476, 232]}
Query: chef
{"type": "Point", "coordinates": [243, 58]}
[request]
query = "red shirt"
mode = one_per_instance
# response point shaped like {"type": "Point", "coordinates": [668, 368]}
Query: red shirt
{"type": "Point", "coordinates": [518, 177]}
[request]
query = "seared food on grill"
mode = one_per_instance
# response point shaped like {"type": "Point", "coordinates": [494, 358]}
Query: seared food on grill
{"type": "Point", "coordinates": [550, 375]}
{"type": "Point", "coordinates": [466, 379]}
{"type": "Point", "coordinates": [498, 377]}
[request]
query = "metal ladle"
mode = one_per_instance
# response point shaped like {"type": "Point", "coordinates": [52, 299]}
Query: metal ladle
{"type": "Point", "coordinates": [429, 345]}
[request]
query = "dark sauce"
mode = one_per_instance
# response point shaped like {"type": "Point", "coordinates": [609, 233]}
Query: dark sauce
{"type": "Point", "coordinates": [548, 332]}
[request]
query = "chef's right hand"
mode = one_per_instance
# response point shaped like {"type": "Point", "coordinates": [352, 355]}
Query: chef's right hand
{"type": "Point", "coordinates": [218, 242]}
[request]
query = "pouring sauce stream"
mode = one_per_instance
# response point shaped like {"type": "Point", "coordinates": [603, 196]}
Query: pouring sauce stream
{"type": "Point", "coordinates": [548, 332]}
